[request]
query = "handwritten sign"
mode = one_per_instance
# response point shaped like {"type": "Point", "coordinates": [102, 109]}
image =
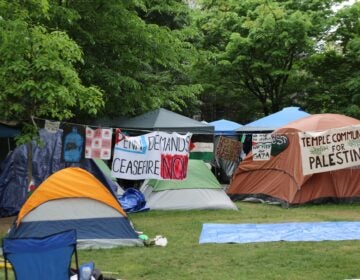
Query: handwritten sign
{"type": "Point", "coordinates": [52, 126]}
{"type": "Point", "coordinates": [228, 149]}
{"type": "Point", "coordinates": [261, 146]}
{"type": "Point", "coordinates": [156, 155]}
{"type": "Point", "coordinates": [279, 143]}
{"type": "Point", "coordinates": [330, 150]}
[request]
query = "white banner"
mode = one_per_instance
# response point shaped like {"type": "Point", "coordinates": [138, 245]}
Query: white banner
{"type": "Point", "coordinates": [330, 150]}
{"type": "Point", "coordinates": [261, 146]}
{"type": "Point", "coordinates": [156, 155]}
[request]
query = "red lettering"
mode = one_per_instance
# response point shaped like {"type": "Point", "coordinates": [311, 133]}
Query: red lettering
{"type": "Point", "coordinates": [174, 166]}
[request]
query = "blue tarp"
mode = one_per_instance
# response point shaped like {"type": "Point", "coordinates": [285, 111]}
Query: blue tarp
{"type": "Point", "coordinates": [248, 233]}
{"type": "Point", "coordinates": [225, 127]}
{"type": "Point", "coordinates": [46, 159]}
{"type": "Point", "coordinates": [132, 200]}
{"type": "Point", "coordinates": [276, 120]}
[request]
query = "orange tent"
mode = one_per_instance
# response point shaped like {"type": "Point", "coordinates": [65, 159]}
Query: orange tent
{"type": "Point", "coordinates": [281, 178]}
{"type": "Point", "coordinates": [73, 198]}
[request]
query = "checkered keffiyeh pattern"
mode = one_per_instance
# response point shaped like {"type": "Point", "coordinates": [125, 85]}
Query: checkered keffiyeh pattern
{"type": "Point", "coordinates": [98, 143]}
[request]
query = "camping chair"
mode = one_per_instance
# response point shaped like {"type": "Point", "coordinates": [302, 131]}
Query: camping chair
{"type": "Point", "coordinates": [41, 258]}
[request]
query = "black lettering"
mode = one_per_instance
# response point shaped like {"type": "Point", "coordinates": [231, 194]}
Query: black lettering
{"type": "Point", "coordinates": [356, 154]}
{"type": "Point", "coordinates": [324, 161]}
{"type": "Point", "coordinates": [317, 162]}
{"type": "Point", "coordinates": [129, 168]}
{"type": "Point", "coordinates": [122, 165]}
{"type": "Point", "coordinates": [115, 165]}
{"type": "Point", "coordinates": [156, 167]}
{"type": "Point", "coordinates": [331, 160]}
{"type": "Point", "coordinates": [340, 159]}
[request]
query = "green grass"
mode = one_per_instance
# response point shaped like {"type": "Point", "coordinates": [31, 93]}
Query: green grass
{"type": "Point", "coordinates": [185, 258]}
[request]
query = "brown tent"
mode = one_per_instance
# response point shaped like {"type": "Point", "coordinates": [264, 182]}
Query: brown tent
{"type": "Point", "coordinates": [281, 179]}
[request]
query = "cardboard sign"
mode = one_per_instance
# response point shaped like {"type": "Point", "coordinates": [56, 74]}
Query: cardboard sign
{"type": "Point", "coordinates": [228, 149]}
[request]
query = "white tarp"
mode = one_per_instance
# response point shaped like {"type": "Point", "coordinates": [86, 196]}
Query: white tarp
{"type": "Point", "coordinates": [330, 150]}
{"type": "Point", "coordinates": [156, 155]}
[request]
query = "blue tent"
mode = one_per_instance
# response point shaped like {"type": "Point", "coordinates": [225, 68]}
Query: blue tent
{"type": "Point", "coordinates": [276, 120]}
{"type": "Point", "coordinates": [7, 131]}
{"type": "Point", "coordinates": [225, 127]}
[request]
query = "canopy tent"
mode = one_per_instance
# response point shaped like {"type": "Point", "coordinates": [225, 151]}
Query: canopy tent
{"type": "Point", "coordinates": [200, 190]}
{"type": "Point", "coordinates": [281, 178]}
{"type": "Point", "coordinates": [274, 121]}
{"type": "Point", "coordinates": [72, 198]}
{"type": "Point", "coordinates": [270, 123]}
{"type": "Point", "coordinates": [164, 120]}
{"type": "Point", "coordinates": [225, 127]}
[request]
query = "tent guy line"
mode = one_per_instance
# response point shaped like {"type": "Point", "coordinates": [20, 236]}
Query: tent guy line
{"type": "Point", "coordinates": [92, 125]}
{"type": "Point", "coordinates": [147, 130]}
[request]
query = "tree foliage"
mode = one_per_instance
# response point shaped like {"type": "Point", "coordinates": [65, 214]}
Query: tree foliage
{"type": "Point", "coordinates": [37, 68]}
{"type": "Point", "coordinates": [134, 51]}
{"type": "Point", "coordinates": [71, 60]}
{"type": "Point", "coordinates": [333, 83]}
{"type": "Point", "coordinates": [257, 50]}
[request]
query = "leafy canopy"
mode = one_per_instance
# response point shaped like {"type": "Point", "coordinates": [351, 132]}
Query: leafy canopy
{"type": "Point", "coordinates": [38, 68]}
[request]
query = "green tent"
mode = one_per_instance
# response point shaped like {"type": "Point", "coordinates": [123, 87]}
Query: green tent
{"type": "Point", "coordinates": [199, 176]}
{"type": "Point", "coordinates": [200, 190]}
{"type": "Point", "coordinates": [104, 168]}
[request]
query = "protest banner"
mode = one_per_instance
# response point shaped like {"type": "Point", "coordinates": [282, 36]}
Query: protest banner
{"type": "Point", "coordinates": [261, 146]}
{"type": "Point", "coordinates": [330, 150]}
{"type": "Point", "coordinates": [228, 149]}
{"type": "Point", "coordinates": [156, 155]}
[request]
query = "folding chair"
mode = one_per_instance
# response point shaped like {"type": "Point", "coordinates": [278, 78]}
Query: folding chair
{"type": "Point", "coordinates": [41, 258]}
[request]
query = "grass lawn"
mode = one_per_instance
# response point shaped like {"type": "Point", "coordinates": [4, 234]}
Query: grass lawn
{"type": "Point", "coordinates": [185, 258]}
